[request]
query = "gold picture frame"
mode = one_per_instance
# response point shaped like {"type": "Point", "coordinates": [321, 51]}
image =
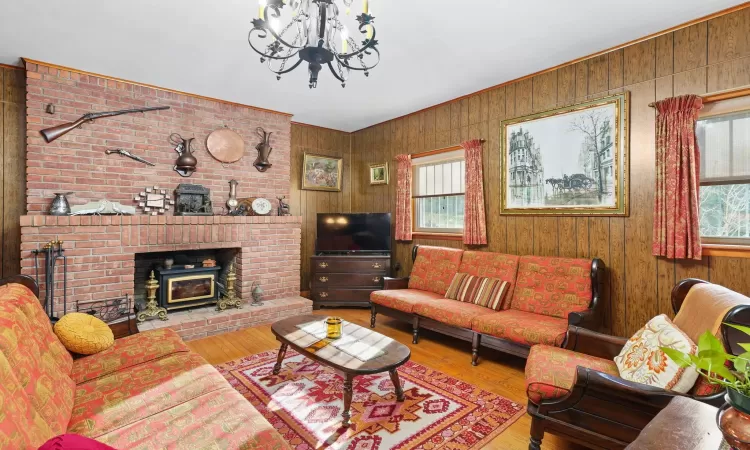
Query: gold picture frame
{"type": "Point", "coordinates": [321, 172]}
{"type": "Point", "coordinates": [379, 174]}
{"type": "Point", "coordinates": [570, 161]}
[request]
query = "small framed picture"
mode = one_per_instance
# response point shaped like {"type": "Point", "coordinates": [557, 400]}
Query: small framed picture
{"type": "Point", "coordinates": [379, 173]}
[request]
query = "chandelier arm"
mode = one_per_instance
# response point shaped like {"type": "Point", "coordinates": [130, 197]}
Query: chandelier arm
{"type": "Point", "coordinates": [262, 53]}
{"type": "Point", "coordinates": [364, 67]}
{"type": "Point", "coordinates": [368, 44]}
{"type": "Point", "coordinates": [282, 72]}
{"type": "Point", "coordinates": [338, 77]}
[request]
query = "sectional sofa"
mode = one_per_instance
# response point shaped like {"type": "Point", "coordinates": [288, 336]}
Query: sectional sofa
{"type": "Point", "coordinates": [546, 295]}
{"type": "Point", "coordinates": [148, 391]}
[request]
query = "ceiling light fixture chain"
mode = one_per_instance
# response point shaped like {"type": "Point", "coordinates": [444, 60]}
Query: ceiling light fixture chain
{"type": "Point", "coordinates": [320, 38]}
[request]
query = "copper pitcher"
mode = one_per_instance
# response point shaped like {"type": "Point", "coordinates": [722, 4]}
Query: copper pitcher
{"type": "Point", "coordinates": [186, 163]}
{"type": "Point", "coordinates": [264, 150]}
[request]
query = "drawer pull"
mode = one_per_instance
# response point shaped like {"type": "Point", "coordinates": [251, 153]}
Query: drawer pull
{"type": "Point", "coordinates": [377, 266]}
{"type": "Point", "coordinates": [376, 279]}
{"type": "Point", "coordinates": [323, 294]}
{"type": "Point", "coordinates": [323, 279]}
{"type": "Point", "coordinates": [323, 265]}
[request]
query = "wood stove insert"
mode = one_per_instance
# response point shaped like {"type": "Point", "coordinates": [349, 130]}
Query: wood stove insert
{"type": "Point", "coordinates": [181, 287]}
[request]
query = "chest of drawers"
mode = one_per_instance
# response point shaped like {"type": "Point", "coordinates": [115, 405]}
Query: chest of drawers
{"type": "Point", "coordinates": [346, 280]}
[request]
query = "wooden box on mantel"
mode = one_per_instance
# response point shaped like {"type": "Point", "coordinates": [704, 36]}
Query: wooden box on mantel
{"type": "Point", "coordinates": [347, 280]}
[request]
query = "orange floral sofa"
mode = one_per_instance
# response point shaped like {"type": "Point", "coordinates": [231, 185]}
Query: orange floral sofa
{"type": "Point", "coordinates": [545, 296]}
{"type": "Point", "coordinates": [148, 391]}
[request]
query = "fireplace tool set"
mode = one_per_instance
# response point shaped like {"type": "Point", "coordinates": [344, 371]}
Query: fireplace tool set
{"type": "Point", "coordinates": [52, 251]}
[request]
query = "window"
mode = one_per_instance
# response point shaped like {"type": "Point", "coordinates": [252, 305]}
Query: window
{"type": "Point", "coordinates": [438, 192]}
{"type": "Point", "coordinates": [724, 141]}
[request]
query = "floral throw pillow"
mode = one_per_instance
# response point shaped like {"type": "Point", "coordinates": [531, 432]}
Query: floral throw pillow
{"type": "Point", "coordinates": [642, 361]}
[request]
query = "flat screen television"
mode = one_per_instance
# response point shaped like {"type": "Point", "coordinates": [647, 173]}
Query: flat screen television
{"type": "Point", "coordinates": [354, 233]}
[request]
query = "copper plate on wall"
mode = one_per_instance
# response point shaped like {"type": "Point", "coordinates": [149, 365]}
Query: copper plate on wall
{"type": "Point", "coordinates": [225, 145]}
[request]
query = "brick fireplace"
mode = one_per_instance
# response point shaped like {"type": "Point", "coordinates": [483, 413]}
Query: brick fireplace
{"type": "Point", "coordinates": [101, 250]}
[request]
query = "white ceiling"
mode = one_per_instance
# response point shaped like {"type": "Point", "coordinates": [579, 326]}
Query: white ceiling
{"type": "Point", "coordinates": [432, 50]}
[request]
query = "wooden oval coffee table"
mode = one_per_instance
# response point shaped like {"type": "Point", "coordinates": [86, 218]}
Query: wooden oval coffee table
{"type": "Point", "coordinates": [375, 353]}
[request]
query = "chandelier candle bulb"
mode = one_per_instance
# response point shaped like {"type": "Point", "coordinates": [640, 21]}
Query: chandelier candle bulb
{"type": "Point", "coordinates": [261, 8]}
{"type": "Point", "coordinates": [366, 6]}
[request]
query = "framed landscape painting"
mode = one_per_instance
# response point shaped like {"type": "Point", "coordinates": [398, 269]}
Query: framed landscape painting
{"type": "Point", "coordinates": [568, 161]}
{"type": "Point", "coordinates": [321, 173]}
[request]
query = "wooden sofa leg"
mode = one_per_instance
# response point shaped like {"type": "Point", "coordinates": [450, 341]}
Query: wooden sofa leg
{"type": "Point", "coordinates": [476, 340]}
{"type": "Point", "coordinates": [373, 313]}
{"type": "Point", "coordinates": [537, 434]}
{"type": "Point", "coordinates": [415, 332]}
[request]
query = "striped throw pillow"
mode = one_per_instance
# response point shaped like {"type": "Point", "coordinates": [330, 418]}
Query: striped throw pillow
{"type": "Point", "coordinates": [482, 291]}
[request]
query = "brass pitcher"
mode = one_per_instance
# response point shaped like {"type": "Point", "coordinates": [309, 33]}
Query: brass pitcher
{"type": "Point", "coordinates": [264, 150]}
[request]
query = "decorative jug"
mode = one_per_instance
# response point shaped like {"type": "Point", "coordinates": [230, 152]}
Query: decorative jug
{"type": "Point", "coordinates": [60, 205]}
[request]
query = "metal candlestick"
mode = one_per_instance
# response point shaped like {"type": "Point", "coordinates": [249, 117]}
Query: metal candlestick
{"type": "Point", "coordinates": [230, 298]}
{"type": "Point", "coordinates": [152, 308]}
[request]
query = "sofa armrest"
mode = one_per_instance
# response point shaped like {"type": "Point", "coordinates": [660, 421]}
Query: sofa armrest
{"type": "Point", "coordinates": [395, 283]}
{"type": "Point", "coordinates": [586, 319]}
{"type": "Point", "coordinates": [591, 343]}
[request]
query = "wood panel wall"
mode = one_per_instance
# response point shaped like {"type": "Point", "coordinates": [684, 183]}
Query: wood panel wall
{"type": "Point", "coordinates": [12, 167]}
{"type": "Point", "coordinates": [319, 141]}
{"type": "Point", "coordinates": [706, 57]}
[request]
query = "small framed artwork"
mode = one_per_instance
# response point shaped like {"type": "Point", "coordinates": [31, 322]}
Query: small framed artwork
{"type": "Point", "coordinates": [321, 173]}
{"type": "Point", "coordinates": [379, 174]}
{"type": "Point", "coordinates": [567, 161]}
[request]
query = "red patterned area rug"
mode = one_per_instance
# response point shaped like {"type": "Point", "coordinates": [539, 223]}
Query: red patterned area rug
{"type": "Point", "coordinates": [304, 404]}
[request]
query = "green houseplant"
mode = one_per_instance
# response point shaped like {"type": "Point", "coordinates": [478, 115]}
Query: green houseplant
{"type": "Point", "coordinates": [729, 371]}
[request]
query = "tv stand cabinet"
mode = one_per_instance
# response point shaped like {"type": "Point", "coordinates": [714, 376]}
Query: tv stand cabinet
{"type": "Point", "coordinates": [347, 280]}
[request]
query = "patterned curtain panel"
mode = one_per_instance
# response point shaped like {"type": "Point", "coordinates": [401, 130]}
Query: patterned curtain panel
{"type": "Point", "coordinates": [475, 225]}
{"type": "Point", "coordinates": [403, 198]}
{"type": "Point", "coordinates": [676, 217]}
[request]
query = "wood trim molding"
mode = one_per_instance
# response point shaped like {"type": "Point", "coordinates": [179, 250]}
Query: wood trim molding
{"type": "Point", "coordinates": [9, 66]}
{"type": "Point", "coordinates": [719, 96]}
{"type": "Point", "coordinates": [436, 152]}
{"type": "Point", "coordinates": [438, 236]}
{"type": "Point", "coordinates": [151, 86]}
{"type": "Point", "coordinates": [319, 127]}
{"type": "Point", "coordinates": [723, 12]}
{"type": "Point", "coordinates": [729, 251]}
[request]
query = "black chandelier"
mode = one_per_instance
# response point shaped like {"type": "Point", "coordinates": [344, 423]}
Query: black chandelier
{"type": "Point", "coordinates": [314, 34]}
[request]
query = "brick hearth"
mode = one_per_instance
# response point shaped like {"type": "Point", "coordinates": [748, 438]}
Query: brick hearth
{"type": "Point", "coordinates": [202, 322]}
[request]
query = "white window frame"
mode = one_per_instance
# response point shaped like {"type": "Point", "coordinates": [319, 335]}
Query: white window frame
{"type": "Point", "coordinates": [439, 158]}
{"type": "Point", "coordinates": [717, 109]}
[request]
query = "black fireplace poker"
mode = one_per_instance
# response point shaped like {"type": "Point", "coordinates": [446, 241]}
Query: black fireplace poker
{"type": "Point", "coordinates": [52, 251]}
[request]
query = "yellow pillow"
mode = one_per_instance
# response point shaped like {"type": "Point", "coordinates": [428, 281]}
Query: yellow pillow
{"type": "Point", "coordinates": [83, 333]}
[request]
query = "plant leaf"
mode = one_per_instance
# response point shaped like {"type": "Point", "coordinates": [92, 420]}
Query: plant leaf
{"type": "Point", "coordinates": [682, 359]}
{"type": "Point", "coordinates": [718, 369]}
{"type": "Point", "coordinates": [745, 347]}
{"type": "Point", "coordinates": [742, 328]}
{"type": "Point", "coordinates": [741, 361]}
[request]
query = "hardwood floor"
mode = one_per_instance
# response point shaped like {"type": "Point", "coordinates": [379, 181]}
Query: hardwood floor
{"type": "Point", "coordinates": [496, 372]}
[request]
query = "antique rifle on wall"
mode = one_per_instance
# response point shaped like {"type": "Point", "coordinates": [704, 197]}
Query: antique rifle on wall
{"type": "Point", "coordinates": [50, 134]}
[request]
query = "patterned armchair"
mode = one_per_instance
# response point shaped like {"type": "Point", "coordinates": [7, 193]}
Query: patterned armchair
{"type": "Point", "coordinates": [576, 391]}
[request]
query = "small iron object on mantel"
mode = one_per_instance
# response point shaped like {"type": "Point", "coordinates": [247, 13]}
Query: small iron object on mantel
{"type": "Point", "coordinates": [186, 163]}
{"type": "Point", "coordinates": [264, 150]}
{"type": "Point", "coordinates": [283, 207]}
{"type": "Point", "coordinates": [193, 200]}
